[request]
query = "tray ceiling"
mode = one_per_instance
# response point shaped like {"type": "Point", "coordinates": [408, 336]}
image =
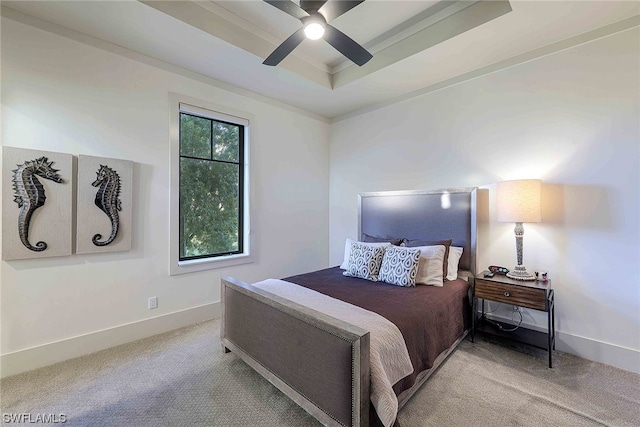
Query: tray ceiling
{"type": "Point", "coordinates": [418, 46]}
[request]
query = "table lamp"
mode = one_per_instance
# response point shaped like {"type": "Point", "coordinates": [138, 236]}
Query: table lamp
{"type": "Point", "coordinates": [519, 201]}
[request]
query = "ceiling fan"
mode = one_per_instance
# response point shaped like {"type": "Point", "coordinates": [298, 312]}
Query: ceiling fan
{"type": "Point", "coordinates": [314, 16]}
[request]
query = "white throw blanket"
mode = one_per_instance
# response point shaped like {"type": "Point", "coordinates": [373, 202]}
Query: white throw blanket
{"type": "Point", "coordinates": [389, 357]}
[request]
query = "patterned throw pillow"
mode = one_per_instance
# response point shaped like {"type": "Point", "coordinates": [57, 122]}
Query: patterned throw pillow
{"type": "Point", "coordinates": [347, 250]}
{"type": "Point", "coordinates": [364, 261]}
{"type": "Point", "coordinates": [400, 266]}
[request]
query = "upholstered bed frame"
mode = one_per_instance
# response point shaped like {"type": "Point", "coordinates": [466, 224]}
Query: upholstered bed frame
{"type": "Point", "coordinates": [318, 361]}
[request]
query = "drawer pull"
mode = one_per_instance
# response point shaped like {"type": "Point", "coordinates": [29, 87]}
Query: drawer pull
{"type": "Point", "coordinates": [507, 294]}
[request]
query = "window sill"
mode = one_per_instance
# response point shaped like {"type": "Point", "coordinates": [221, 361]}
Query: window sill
{"type": "Point", "coordinates": [194, 265]}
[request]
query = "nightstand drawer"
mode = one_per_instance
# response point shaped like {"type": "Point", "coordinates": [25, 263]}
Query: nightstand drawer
{"type": "Point", "coordinates": [512, 294]}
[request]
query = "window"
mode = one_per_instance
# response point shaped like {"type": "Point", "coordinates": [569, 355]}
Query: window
{"type": "Point", "coordinates": [210, 187]}
{"type": "Point", "coordinates": [211, 160]}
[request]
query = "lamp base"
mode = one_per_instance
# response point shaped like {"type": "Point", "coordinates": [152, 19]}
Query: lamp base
{"type": "Point", "coordinates": [520, 272]}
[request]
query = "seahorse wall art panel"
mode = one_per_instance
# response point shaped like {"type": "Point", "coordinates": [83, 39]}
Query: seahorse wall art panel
{"type": "Point", "coordinates": [104, 205]}
{"type": "Point", "coordinates": [37, 203]}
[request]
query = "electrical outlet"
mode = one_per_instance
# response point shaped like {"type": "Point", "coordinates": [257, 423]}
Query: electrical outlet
{"type": "Point", "coordinates": [153, 303]}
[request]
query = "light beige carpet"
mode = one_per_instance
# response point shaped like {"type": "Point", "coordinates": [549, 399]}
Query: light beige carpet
{"type": "Point", "coordinates": [182, 378]}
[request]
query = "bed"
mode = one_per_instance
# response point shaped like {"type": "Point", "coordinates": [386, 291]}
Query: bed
{"type": "Point", "coordinates": [323, 362]}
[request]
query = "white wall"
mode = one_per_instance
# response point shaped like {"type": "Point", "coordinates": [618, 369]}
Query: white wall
{"type": "Point", "coordinates": [61, 95]}
{"type": "Point", "coordinates": [570, 119]}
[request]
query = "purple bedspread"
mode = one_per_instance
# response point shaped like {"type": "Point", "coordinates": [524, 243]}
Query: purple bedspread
{"type": "Point", "coordinates": [430, 318]}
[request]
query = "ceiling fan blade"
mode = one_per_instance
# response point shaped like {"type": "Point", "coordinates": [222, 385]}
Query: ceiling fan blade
{"type": "Point", "coordinates": [288, 7]}
{"type": "Point", "coordinates": [331, 10]}
{"type": "Point", "coordinates": [312, 5]}
{"type": "Point", "coordinates": [285, 48]}
{"type": "Point", "coordinates": [345, 45]}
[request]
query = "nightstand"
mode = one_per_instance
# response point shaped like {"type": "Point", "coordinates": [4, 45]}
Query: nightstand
{"type": "Point", "coordinates": [529, 294]}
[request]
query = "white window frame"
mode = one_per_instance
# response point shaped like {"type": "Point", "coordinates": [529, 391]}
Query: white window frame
{"type": "Point", "coordinates": [178, 104]}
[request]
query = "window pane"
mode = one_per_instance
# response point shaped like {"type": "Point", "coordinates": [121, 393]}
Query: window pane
{"type": "Point", "coordinates": [209, 207]}
{"type": "Point", "coordinates": [226, 144]}
{"type": "Point", "coordinates": [195, 136]}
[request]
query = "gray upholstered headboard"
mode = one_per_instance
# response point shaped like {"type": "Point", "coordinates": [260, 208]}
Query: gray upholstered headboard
{"type": "Point", "coordinates": [424, 215]}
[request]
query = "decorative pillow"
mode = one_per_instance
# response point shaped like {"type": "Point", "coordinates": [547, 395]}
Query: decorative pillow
{"type": "Point", "coordinates": [446, 243]}
{"type": "Point", "coordinates": [364, 261]}
{"type": "Point", "coordinates": [430, 265]}
{"type": "Point", "coordinates": [400, 266]}
{"type": "Point", "coordinates": [373, 239]}
{"type": "Point", "coordinates": [347, 250]}
{"type": "Point", "coordinates": [455, 253]}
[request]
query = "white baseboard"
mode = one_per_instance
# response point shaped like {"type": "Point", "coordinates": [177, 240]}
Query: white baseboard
{"type": "Point", "coordinates": [58, 351]}
{"type": "Point", "coordinates": [599, 351]}
{"type": "Point", "coordinates": [588, 348]}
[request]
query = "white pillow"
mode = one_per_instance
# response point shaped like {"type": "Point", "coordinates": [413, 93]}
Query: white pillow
{"type": "Point", "coordinates": [347, 251]}
{"type": "Point", "coordinates": [455, 253]}
{"type": "Point", "coordinates": [430, 265]}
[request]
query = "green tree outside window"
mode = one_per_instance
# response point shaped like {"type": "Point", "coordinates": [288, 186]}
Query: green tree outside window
{"type": "Point", "coordinates": [211, 186]}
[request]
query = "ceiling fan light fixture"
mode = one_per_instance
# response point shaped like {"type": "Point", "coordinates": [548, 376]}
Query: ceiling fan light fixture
{"type": "Point", "coordinates": [314, 30]}
{"type": "Point", "coordinates": [314, 26]}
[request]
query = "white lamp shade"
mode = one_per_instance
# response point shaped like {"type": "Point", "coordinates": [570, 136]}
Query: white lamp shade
{"type": "Point", "coordinates": [519, 200]}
